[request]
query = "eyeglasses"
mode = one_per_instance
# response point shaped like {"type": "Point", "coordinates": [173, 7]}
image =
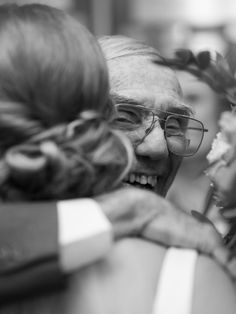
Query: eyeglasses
{"type": "Point", "coordinates": [183, 134]}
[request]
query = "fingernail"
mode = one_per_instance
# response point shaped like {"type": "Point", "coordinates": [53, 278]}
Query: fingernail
{"type": "Point", "coordinates": [199, 216]}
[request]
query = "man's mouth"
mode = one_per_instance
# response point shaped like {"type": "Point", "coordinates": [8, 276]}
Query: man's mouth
{"type": "Point", "coordinates": [143, 181]}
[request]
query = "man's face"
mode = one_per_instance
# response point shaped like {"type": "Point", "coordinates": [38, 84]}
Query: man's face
{"type": "Point", "coordinates": [138, 81]}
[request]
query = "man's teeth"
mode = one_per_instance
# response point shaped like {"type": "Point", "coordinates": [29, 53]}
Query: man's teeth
{"type": "Point", "coordinates": [142, 179]}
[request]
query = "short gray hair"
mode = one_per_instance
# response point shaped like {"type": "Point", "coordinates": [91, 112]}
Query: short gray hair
{"type": "Point", "coordinates": [119, 46]}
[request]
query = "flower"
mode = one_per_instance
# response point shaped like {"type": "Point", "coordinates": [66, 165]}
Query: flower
{"type": "Point", "coordinates": [219, 148]}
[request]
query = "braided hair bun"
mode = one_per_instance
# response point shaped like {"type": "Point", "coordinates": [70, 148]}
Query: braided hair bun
{"type": "Point", "coordinates": [55, 137]}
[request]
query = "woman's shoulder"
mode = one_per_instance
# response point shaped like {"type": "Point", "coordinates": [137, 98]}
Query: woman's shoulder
{"type": "Point", "coordinates": [124, 282]}
{"type": "Point", "coordinates": [214, 290]}
{"type": "Point", "coordinates": [127, 280]}
{"type": "Point", "coordinates": [133, 270]}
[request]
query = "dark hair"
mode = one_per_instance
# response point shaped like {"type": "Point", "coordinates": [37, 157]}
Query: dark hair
{"type": "Point", "coordinates": [51, 71]}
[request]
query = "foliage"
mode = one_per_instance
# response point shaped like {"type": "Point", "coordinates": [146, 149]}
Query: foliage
{"type": "Point", "coordinates": [214, 71]}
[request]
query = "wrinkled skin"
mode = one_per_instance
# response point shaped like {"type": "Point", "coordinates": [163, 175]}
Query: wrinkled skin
{"type": "Point", "coordinates": [138, 81]}
{"type": "Point", "coordinates": [142, 213]}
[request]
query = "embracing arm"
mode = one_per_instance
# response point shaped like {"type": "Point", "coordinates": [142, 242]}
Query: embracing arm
{"type": "Point", "coordinates": [38, 240]}
{"type": "Point", "coordinates": [41, 242]}
{"type": "Point", "coordinates": [126, 282]}
{"type": "Point", "coordinates": [28, 248]}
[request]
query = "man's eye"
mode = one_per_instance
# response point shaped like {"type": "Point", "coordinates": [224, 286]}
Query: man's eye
{"type": "Point", "coordinates": [175, 127]}
{"type": "Point", "coordinates": [174, 131]}
{"type": "Point", "coordinates": [128, 119]}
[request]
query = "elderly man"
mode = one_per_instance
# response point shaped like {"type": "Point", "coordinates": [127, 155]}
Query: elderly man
{"type": "Point", "coordinates": [152, 113]}
{"type": "Point", "coordinates": [149, 103]}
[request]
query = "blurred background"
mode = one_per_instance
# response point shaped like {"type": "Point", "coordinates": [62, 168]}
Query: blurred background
{"type": "Point", "coordinates": [165, 24]}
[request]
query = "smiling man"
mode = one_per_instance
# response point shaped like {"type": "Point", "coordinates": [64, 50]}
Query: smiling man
{"type": "Point", "coordinates": [151, 112]}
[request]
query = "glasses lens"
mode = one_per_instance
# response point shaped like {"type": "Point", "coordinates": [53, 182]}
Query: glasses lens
{"type": "Point", "coordinates": [184, 135]}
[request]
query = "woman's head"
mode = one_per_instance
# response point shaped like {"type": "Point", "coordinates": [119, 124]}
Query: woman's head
{"type": "Point", "coordinates": [51, 70]}
{"type": "Point", "coordinates": [47, 60]}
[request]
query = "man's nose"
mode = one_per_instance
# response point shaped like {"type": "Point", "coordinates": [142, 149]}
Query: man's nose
{"type": "Point", "coordinates": [154, 145]}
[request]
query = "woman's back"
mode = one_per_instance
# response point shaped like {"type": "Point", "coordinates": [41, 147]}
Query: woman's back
{"type": "Point", "coordinates": [126, 283]}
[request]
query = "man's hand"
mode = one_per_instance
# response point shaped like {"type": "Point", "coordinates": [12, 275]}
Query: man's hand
{"type": "Point", "coordinates": [174, 227]}
{"type": "Point", "coordinates": [139, 212]}
{"type": "Point", "coordinates": [128, 210]}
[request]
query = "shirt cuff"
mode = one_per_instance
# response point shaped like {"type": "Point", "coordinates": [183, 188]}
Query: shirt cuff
{"type": "Point", "coordinates": [85, 234]}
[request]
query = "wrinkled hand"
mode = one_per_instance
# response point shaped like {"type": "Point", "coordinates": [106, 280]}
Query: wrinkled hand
{"type": "Point", "coordinates": [128, 210]}
{"type": "Point", "coordinates": [139, 212]}
{"type": "Point", "coordinates": [174, 227]}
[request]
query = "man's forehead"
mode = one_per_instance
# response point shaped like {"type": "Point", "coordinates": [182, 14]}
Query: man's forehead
{"type": "Point", "coordinates": [141, 73]}
{"type": "Point", "coordinates": [163, 102]}
{"type": "Point", "coordinates": [137, 80]}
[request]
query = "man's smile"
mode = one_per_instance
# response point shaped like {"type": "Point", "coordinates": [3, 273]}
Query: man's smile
{"type": "Point", "coordinates": [149, 182]}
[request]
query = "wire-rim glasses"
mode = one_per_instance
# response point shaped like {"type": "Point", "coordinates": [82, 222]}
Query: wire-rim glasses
{"type": "Point", "coordinates": [183, 134]}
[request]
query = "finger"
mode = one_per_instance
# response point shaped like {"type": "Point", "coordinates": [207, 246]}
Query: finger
{"type": "Point", "coordinates": [201, 236]}
{"type": "Point", "coordinates": [200, 233]}
{"type": "Point", "coordinates": [176, 228]}
{"type": "Point", "coordinates": [228, 213]}
{"type": "Point", "coordinates": [133, 227]}
{"type": "Point", "coordinates": [208, 239]}
{"type": "Point", "coordinates": [183, 231]}
{"type": "Point", "coordinates": [201, 217]}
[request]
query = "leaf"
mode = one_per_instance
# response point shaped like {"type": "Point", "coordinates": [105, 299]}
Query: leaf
{"type": "Point", "coordinates": [231, 99]}
{"type": "Point", "coordinates": [231, 94]}
{"type": "Point", "coordinates": [203, 59]}
{"type": "Point", "coordinates": [225, 73]}
{"type": "Point", "coordinates": [181, 59]}
{"type": "Point", "coordinates": [185, 55]}
{"type": "Point", "coordinates": [216, 73]}
{"type": "Point", "coordinates": [222, 64]}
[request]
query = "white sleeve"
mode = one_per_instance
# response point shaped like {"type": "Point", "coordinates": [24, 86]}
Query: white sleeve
{"type": "Point", "coordinates": [85, 234]}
